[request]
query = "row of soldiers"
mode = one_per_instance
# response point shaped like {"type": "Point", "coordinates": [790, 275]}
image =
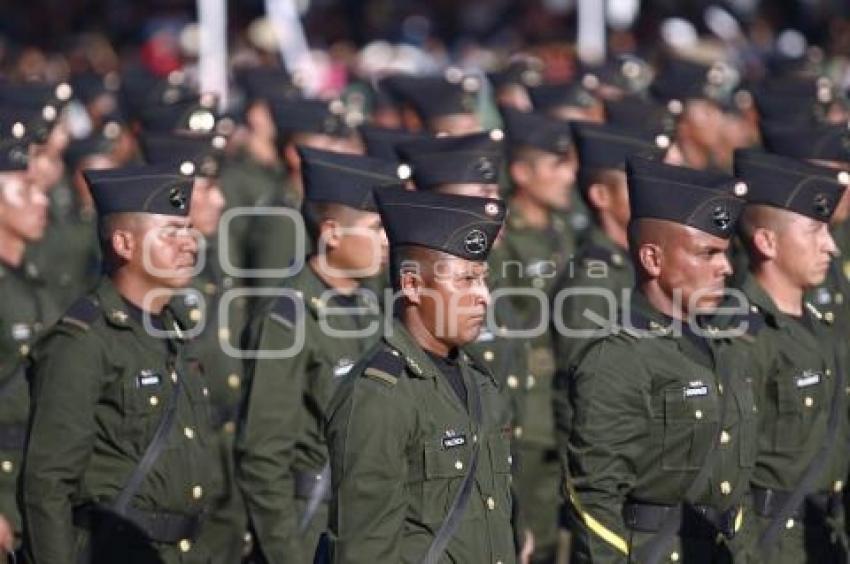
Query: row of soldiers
{"type": "Point", "coordinates": [200, 362]}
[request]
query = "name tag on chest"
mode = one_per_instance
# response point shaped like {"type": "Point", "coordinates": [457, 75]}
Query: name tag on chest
{"type": "Point", "coordinates": [696, 389]}
{"type": "Point", "coordinates": [808, 378]}
{"type": "Point", "coordinates": [148, 378]}
{"type": "Point", "coordinates": [453, 442]}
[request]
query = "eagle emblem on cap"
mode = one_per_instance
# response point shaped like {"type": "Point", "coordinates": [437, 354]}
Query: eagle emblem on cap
{"type": "Point", "coordinates": [821, 204]}
{"type": "Point", "coordinates": [475, 243]}
{"type": "Point", "coordinates": [177, 198]}
{"type": "Point", "coordinates": [485, 168]}
{"type": "Point", "coordinates": [721, 218]}
{"type": "Point", "coordinates": [491, 209]}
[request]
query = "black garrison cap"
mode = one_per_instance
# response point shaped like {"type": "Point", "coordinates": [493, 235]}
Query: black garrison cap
{"type": "Point", "coordinates": [310, 116]}
{"type": "Point", "coordinates": [602, 146]}
{"type": "Point", "coordinates": [537, 130]}
{"type": "Point", "coordinates": [99, 142]}
{"type": "Point", "coordinates": [521, 71]}
{"type": "Point", "coordinates": [202, 152]}
{"type": "Point", "coordinates": [36, 95]}
{"type": "Point", "coordinates": [824, 142]}
{"type": "Point", "coordinates": [346, 179]}
{"type": "Point", "coordinates": [14, 154]}
{"type": "Point", "coordinates": [436, 96]}
{"type": "Point", "coordinates": [462, 226]}
{"type": "Point", "coordinates": [196, 114]}
{"type": "Point", "coordinates": [626, 72]}
{"type": "Point", "coordinates": [25, 122]}
{"type": "Point", "coordinates": [158, 189]}
{"type": "Point", "coordinates": [465, 159]}
{"type": "Point", "coordinates": [635, 112]}
{"type": "Point", "coordinates": [790, 184]}
{"type": "Point", "coordinates": [547, 97]}
{"type": "Point", "coordinates": [381, 142]}
{"type": "Point", "coordinates": [266, 83]}
{"type": "Point", "coordinates": [708, 201]}
{"type": "Point", "coordinates": [680, 81]}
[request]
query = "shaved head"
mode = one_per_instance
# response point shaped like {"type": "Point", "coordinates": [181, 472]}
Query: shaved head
{"type": "Point", "coordinates": [757, 217]}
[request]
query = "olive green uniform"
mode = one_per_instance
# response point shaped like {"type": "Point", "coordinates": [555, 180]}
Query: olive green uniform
{"type": "Point", "coordinates": [400, 444]}
{"type": "Point", "coordinates": [100, 386]}
{"type": "Point", "coordinates": [531, 258]}
{"type": "Point", "coordinates": [648, 407]}
{"type": "Point", "coordinates": [795, 398]}
{"type": "Point", "coordinates": [26, 310]}
{"type": "Point", "coordinates": [281, 446]}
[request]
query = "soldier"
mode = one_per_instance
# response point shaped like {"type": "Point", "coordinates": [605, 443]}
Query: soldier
{"type": "Point", "coordinates": [651, 477]}
{"type": "Point", "coordinates": [442, 104]}
{"type": "Point", "coordinates": [511, 82]}
{"type": "Point", "coordinates": [784, 228]}
{"type": "Point", "coordinates": [119, 464]}
{"type": "Point", "coordinates": [224, 528]}
{"type": "Point", "coordinates": [306, 340]}
{"type": "Point", "coordinates": [420, 458]}
{"type": "Point", "coordinates": [536, 246]}
{"type": "Point", "coordinates": [566, 101]}
{"type": "Point", "coordinates": [27, 309]}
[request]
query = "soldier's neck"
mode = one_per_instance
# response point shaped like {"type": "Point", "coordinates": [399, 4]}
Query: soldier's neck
{"type": "Point", "coordinates": [140, 292]}
{"type": "Point", "coordinates": [420, 333]}
{"type": "Point", "coordinates": [695, 156]}
{"type": "Point", "coordinates": [12, 249]}
{"type": "Point", "coordinates": [534, 214]}
{"type": "Point", "coordinates": [327, 272]}
{"type": "Point", "coordinates": [613, 230]}
{"type": "Point", "coordinates": [661, 301]}
{"type": "Point", "coordinates": [787, 296]}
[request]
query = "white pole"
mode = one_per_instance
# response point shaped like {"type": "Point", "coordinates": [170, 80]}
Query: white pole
{"type": "Point", "coordinates": [591, 31]}
{"type": "Point", "coordinates": [212, 58]}
{"type": "Point", "coordinates": [292, 42]}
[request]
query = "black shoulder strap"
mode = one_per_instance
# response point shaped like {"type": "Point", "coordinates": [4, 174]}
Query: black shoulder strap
{"type": "Point", "coordinates": [461, 500]}
{"type": "Point", "coordinates": [160, 438]}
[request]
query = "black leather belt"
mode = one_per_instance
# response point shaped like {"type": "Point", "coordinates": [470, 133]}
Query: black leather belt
{"type": "Point", "coordinates": [700, 521]}
{"type": "Point", "coordinates": [817, 506]}
{"type": "Point", "coordinates": [305, 482]}
{"type": "Point", "coordinates": [157, 526]}
{"type": "Point", "coordinates": [12, 437]}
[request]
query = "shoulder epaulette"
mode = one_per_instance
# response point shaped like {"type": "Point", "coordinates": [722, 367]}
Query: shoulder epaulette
{"type": "Point", "coordinates": [82, 313]}
{"type": "Point", "coordinates": [386, 367]}
{"type": "Point", "coordinates": [285, 311]}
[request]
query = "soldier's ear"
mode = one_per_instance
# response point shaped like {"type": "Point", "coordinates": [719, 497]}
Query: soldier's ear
{"type": "Point", "coordinates": [329, 234]}
{"type": "Point", "coordinates": [651, 259]}
{"type": "Point", "coordinates": [520, 172]}
{"type": "Point", "coordinates": [123, 243]}
{"type": "Point", "coordinates": [599, 196]}
{"type": "Point", "coordinates": [411, 286]}
{"type": "Point", "coordinates": [764, 242]}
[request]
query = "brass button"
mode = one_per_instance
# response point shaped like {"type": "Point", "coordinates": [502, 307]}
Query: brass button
{"type": "Point", "coordinates": [698, 414]}
{"type": "Point", "coordinates": [195, 314]}
{"type": "Point", "coordinates": [197, 492]}
{"type": "Point", "coordinates": [233, 381]}
{"type": "Point", "coordinates": [25, 349]}
{"type": "Point", "coordinates": [837, 486]}
{"type": "Point", "coordinates": [230, 427]}
{"type": "Point", "coordinates": [720, 388]}
{"type": "Point", "coordinates": [725, 487]}
{"type": "Point", "coordinates": [808, 401]}
{"type": "Point", "coordinates": [205, 391]}
{"type": "Point", "coordinates": [828, 372]}
{"type": "Point", "coordinates": [510, 459]}
{"type": "Point", "coordinates": [154, 401]}
{"type": "Point", "coordinates": [491, 503]}
{"type": "Point", "coordinates": [789, 524]}
{"type": "Point", "coordinates": [189, 432]}
{"type": "Point", "coordinates": [185, 545]}
{"type": "Point", "coordinates": [224, 334]}
{"type": "Point", "coordinates": [530, 381]}
{"type": "Point", "coordinates": [488, 356]}
{"type": "Point", "coordinates": [829, 317]}
{"type": "Point", "coordinates": [459, 465]}
{"type": "Point", "coordinates": [674, 556]}
{"type": "Point", "coordinates": [724, 437]}
{"type": "Point", "coordinates": [517, 432]}
{"type": "Point", "coordinates": [513, 381]}
{"type": "Point", "coordinates": [7, 466]}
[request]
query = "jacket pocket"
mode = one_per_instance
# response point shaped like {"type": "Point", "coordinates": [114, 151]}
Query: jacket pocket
{"type": "Point", "coordinates": [690, 422]}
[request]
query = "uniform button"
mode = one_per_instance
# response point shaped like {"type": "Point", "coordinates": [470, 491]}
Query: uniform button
{"type": "Point", "coordinates": [224, 334]}
{"type": "Point", "coordinates": [789, 524]}
{"type": "Point", "coordinates": [513, 381]}
{"type": "Point", "coordinates": [230, 427]}
{"type": "Point", "coordinates": [488, 356]}
{"type": "Point", "coordinates": [724, 437]}
{"type": "Point", "coordinates": [197, 492]}
{"type": "Point", "coordinates": [25, 349]}
{"type": "Point", "coordinates": [153, 400]}
{"type": "Point", "coordinates": [725, 487]}
{"type": "Point", "coordinates": [174, 377]}
{"type": "Point", "coordinates": [189, 432]}
{"type": "Point", "coordinates": [829, 317]}
{"type": "Point", "coordinates": [491, 503]}
{"type": "Point", "coordinates": [233, 381]}
{"type": "Point", "coordinates": [474, 438]}
{"type": "Point", "coordinates": [517, 432]}
{"type": "Point", "coordinates": [674, 556]}
{"type": "Point", "coordinates": [458, 465]}
{"type": "Point", "coordinates": [530, 381]}
{"type": "Point", "coordinates": [7, 466]}
{"type": "Point", "coordinates": [195, 314]}
{"type": "Point", "coordinates": [510, 459]}
{"type": "Point", "coordinates": [808, 401]}
{"type": "Point", "coordinates": [185, 545]}
{"type": "Point", "coordinates": [698, 414]}
{"type": "Point", "coordinates": [837, 486]}
{"type": "Point", "coordinates": [755, 409]}
{"type": "Point", "coordinates": [395, 352]}
{"type": "Point", "coordinates": [720, 388]}
{"type": "Point", "coordinates": [828, 372]}
{"type": "Point", "coordinates": [206, 392]}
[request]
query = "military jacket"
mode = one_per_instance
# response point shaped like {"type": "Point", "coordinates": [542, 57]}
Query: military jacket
{"type": "Point", "coordinates": [100, 382]}
{"type": "Point", "coordinates": [283, 431]}
{"type": "Point", "coordinates": [400, 444]}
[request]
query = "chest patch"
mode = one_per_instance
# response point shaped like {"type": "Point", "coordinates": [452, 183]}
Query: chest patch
{"type": "Point", "coordinates": [808, 378]}
{"type": "Point", "coordinates": [454, 441]}
{"type": "Point", "coordinates": [21, 331]}
{"type": "Point", "coordinates": [696, 389]}
{"type": "Point", "coordinates": [148, 377]}
{"type": "Point", "coordinates": [343, 367]}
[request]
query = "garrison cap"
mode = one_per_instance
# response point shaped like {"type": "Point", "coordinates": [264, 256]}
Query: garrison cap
{"type": "Point", "coordinates": [157, 189]}
{"type": "Point", "coordinates": [640, 113]}
{"type": "Point", "coordinates": [381, 142]}
{"type": "Point", "coordinates": [14, 154]}
{"type": "Point", "coordinates": [680, 81]}
{"type": "Point", "coordinates": [464, 159]}
{"type": "Point", "coordinates": [536, 130]}
{"type": "Point", "coordinates": [346, 179]}
{"type": "Point", "coordinates": [791, 184]}
{"type": "Point", "coordinates": [266, 83]}
{"type": "Point", "coordinates": [36, 95]}
{"type": "Point", "coordinates": [90, 85]}
{"type": "Point", "coordinates": [436, 96]}
{"type": "Point", "coordinates": [708, 201]}
{"type": "Point", "coordinates": [626, 72]}
{"type": "Point", "coordinates": [195, 114]}
{"type": "Point", "coordinates": [521, 71]}
{"type": "Point", "coordinates": [815, 141]}
{"type": "Point", "coordinates": [462, 226]}
{"type": "Point", "coordinates": [310, 116]}
{"type": "Point", "coordinates": [548, 97]}
{"type": "Point", "coordinates": [99, 142]}
{"type": "Point", "coordinates": [24, 122]}
{"type": "Point", "coordinates": [203, 153]}
{"type": "Point", "coordinates": [602, 146]}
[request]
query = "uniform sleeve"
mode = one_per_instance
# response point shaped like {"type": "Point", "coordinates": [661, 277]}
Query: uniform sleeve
{"type": "Point", "coordinates": [609, 430]}
{"type": "Point", "coordinates": [265, 447]}
{"type": "Point", "coordinates": [65, 389]}
{"type": "Point", "coordinates": [367, 435]}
